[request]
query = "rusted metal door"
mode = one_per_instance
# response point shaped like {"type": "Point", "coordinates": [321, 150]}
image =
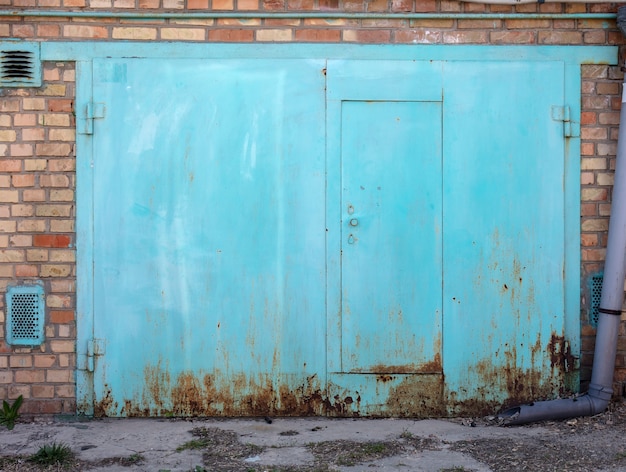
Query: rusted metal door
{"type": "Point", "coordinates": [385, 242]}
{"type": "Point", "coordinates": [327, 236]}
{"type": "Point", "coordinates": [209, 235]}
{"type": "Point", "coordinates": [506, 206]}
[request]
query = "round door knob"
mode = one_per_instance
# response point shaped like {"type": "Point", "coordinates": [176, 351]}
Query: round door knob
{"type": "Point", "coordinates": [354, 222]}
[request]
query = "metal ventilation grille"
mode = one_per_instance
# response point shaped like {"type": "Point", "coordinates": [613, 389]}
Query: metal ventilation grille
{"type": "Point", "coordinates": [25, 315]}
{"type": "Point", "coordinates": [20, 65]}
{"type": "Point", "coordinates": [595, 292]}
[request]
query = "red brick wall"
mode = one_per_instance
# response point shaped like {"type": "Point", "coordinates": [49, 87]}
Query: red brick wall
{"type": "Point", "coordinates": [37, 137]}
{"type": "Point", "coordinates": [37, 211]}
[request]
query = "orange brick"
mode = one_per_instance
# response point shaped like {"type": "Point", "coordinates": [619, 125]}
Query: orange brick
{"type": "Point", "coordinates": [53, 149]}
{"type": "Point", "coordinates": [34, 104]}
{"type": "Point", "coordinates": [62, 346]}
{"type": "Point", "coordinates": [9, 105]}
{"type": "Point", "coordinates": [58, 301]}
{"type": "Point", "coordinates": [45, 360]}
{"type": "Point", "coordinates": [17, 390]}
{"type": "Point", "coordinates": [20, 361]}
{"type": "Point", "coordinates": [50, 74]}
{"type": "Point", "coordinates": [593, 254]}
{"type": "Point", "coordinates": [33, 134]}
{"type": "Point", "coordinates": [135, 33]}
{"type": "Point", "coordinates": [25, 119]}
{"type": "Point", "coordinates": [62, 226]}
{"type": "Point", "coordinates": [21, 150]}
{"type": "Point", "coordinates": [10, 165]}
{"type": "Point", "coordinates": [231, 35]}
{"type": "Point", "coordinates": [512, 37]}
{"type": "Point", "coordinates": [31, 226]}
{"type": "Point", "coordinates": [593, 133]}
{"type": "Point", "coordinates": [51, 240]}
{"type": "Point", "coordinates": [594, 194]}
{"type": "Point", "coordinates": [21, 240]}
{"type": "Point", "coordinates": [318, 35]}
{"type": "Point", "coordinates": [23, 31]}
{"type": "Point", "coordinates": [54, 181]}
{"type": "Point", "coordinates": [84, 31]}
{"type": "Point", "coordinates": [61, 165]}
{"type": "Point", "coordinates": [6, 377]}
{"type": "Point", "coordinates": [61, 316]}
{"type": "Point", "coordinates": [58, 376]}
{"type": "Point", "coordinates": [183, 34]}
{"type": "Point", "coordinates": [55, 270]}
{"type": "Point", "coordinates": [11, 255]}
{"type": "Point", "coordinates": [29, 376]}
{"type": "Point", "coordinates": [589, 240]}
{"type": "Point", "coordinates": [559, 37]}
{"type": "Point", "coordinates": [465, 37]}
{"type": "Point", "coordinates": [254, 4]}
{"type": "Point", "coordinates": [51, 31]}
{"type": "Point", "coordinates": [425, 6]}
{"type": "Point", "coordinates": [27, 180]}
{"type": "Point", "coordinates": [60, 105]}
{"type": "Point", "coordinates": [53, 210]}
{"type": "Point", "coordinates": [36, 195]}
{"type": "Point", "coordinates": [367, 36]}
{"type": "Point", "coordinates": [64, 286]}
{"type": "Point", "coordinates": [9, 196]}
{"type": "Point", "coordinates": [24, 270]}
{"type": "Point", "coordinates": [417, 36]}
{"type": "Point", "coordinates": [51, 407]}
{"type": "Point", "coordinates": [65, 391]}
{"type": "Point", "coordinates": [43, 391]}
{"type": "Point", "coordinates": [588, 118]}
{"type": "Point", "coordinates": [64, 195]}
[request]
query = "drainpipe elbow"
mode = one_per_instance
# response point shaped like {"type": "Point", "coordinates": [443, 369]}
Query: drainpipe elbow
{"type": "Point", "coordinates": [559, 409]}
{"type": "Point", "coordinates": [599, 397]}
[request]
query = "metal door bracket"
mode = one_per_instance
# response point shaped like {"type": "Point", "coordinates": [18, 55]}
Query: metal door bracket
{"type": "Point", "coordinates": [571, 129]}
{"type": "Point", "coordinates": [95, 347]}
{"type": "Point", "coordinates": [90, 112]}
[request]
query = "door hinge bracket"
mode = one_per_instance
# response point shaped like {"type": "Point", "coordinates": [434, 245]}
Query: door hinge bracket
{"type": "Point", "coordinates": [95, 347]}
{"type": "Point", "coordinates": [571, 129]}
{"type": "Point", "coordinates": [561, 355]}
{"type": "Point", "coordinates": [90, 112]}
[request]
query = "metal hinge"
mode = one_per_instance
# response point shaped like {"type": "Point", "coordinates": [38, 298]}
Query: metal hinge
{"type": "Point", "coordinates": [571, 129]}
{"type": "Point", "coordinates": [95, 347]}
{"type": "Point", "coordinates": [91, 111]}
{"type": "Point", "coordinates": [561, 355]}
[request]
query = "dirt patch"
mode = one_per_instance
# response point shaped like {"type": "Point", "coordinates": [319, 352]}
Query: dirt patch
{"type": "Point", "coordinates": [348, 453]}
{"type": "Point", "coordinates": [576, 445]}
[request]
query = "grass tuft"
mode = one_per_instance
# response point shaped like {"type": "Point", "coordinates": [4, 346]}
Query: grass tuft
{"type": "Point", "coordinates": [53, 454]}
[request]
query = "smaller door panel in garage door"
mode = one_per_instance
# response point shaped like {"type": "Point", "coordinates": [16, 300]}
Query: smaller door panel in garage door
{"type": "Point", "coordinates": [391, 236]}
{"type": "Point", "coordinates": [209, 237]}
{"type": "Point", "coordinates": [385, 232]}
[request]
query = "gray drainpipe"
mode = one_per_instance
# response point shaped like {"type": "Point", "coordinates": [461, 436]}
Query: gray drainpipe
{"type": "Point", "coordinates": [600, 390]}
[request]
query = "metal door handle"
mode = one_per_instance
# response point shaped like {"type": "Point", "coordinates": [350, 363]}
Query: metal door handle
{"type": "Point", "coordinates": [354, 222]}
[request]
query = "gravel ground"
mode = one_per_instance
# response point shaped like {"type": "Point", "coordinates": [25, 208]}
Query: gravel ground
{"type": "Point", "coordinates": [577, 445]}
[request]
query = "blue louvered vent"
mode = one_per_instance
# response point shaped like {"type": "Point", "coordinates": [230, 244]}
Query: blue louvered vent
{"type": "Point", "coordinates": [20, 65]}
{"type": "Point", "coordinates": [25, 315]}
{"type": "Point", "coordinates": [595, 292]}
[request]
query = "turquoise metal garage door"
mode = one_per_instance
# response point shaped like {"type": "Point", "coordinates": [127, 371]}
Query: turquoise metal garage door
{"type": "Point", "coordinates": [327, 236]}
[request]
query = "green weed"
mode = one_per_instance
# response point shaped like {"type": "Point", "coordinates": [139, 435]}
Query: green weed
{"type": "Point", "coordinates": [194, 444]}
{"type": "Point", "coordinates": [52, 454]}
{"type": "Point", "coordinates": [10, 413]}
